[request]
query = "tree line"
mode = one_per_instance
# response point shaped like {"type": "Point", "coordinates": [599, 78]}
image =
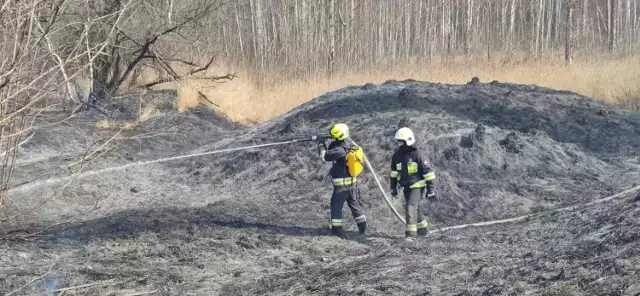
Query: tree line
{"type": "Point", "coordinates": [303, 38]}
{"type": "Point", "coordinates": [112, 42]}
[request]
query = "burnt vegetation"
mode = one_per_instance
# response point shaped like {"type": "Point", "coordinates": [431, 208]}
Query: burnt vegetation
{"type": "Point", "coordinates": [76, 218]}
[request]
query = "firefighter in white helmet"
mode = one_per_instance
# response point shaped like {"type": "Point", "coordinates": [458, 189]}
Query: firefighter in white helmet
{"type": "Point", "coordinates": [412, 173]}
{"type": "Point", "coordinates": [344, 185]}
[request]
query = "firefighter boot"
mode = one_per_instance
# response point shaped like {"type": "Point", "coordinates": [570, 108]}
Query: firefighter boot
{"type": "Point", "coordinates": [409, 236]}
{"type": "Point", "coordinates": [336, 230]}
{"type": "Point", "coordinates": [362, 227]}
{"type": "Point", "coordinates": [422, 228]}
{"type": "Point", "coordinates": [411, 232]}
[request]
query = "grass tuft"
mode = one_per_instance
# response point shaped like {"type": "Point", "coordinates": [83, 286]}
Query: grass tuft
{"type": "Point", "coordinates": [106, 124]}
{"type": "Point", "coordinates": [629, 99]}
{"type": "Point", "coordinates": [149, 112]}
{"type": "Point", "coordinates": [112, 125]}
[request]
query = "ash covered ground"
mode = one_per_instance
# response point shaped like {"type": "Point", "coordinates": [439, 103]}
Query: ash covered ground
{"type": "Point", "coordinates": [255, 222]}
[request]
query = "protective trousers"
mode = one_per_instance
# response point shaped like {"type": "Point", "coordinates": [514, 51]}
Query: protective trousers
{"type": "Point", "coordinates": [415, 218]}
{"type": "Point", "coordinates": [351, 195]}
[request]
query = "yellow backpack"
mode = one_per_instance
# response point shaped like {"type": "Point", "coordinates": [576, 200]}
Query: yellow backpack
{"type": "Point", "coordinates": [355, 162]}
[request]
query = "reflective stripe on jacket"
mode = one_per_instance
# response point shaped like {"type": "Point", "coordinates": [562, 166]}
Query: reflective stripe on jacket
{"type": "Point", "coordinates": [409, 169]}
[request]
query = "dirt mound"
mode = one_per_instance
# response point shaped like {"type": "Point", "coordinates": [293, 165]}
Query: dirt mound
{"type": "Point", "coordinates": [500, 150]}
{"type": "Point", "coordinates": [254, 222]}
{"type": "Point", "coordinates": [564, 116]}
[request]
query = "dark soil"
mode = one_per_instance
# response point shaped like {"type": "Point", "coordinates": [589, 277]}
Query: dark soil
{"type": "Point", "coordinates": [254, 222]}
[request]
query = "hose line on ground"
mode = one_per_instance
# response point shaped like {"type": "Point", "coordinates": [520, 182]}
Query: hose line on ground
{"type": "Point", "coordinates": [140, 163]}
{"type": "Point", "coordinates": [367, 163]}
{"type": "Point", "coordinates": [525, 217]}
{"type": "Point", "coordinates": [384, 194]}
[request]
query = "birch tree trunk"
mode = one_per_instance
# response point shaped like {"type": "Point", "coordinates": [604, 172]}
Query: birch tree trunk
{"type": "Point", "coordinates": [568, 59]}
{"type": "Point", "coordinates": [253, 35]}
{"type": "Point", "coordinates": [585, 16]}
{"type": "Point", "coordinates": [469, 27]}
{"type": "Point", "coordinates": [235, 8]}
{"type": "Point", "coordinates": [332, 37]}
{"type": "Point", "coordinates": [635, 18]}
{"type": "Point", "coordinates": [538, 26]}
{"type": "Point", "coordinates": [304, 38]}
{"type": "Point", "coordinates": [611, 22]}
{"type": "Point", "coordinates": [407, 31]}
{"type": "Point", "coordinates": [512, 19]}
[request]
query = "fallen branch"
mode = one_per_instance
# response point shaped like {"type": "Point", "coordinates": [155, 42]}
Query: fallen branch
{"type": "Point", "coordinates": [99, 155]}
{"type": "Point", "coordinates": [5, 82]}
{"type": "Point", "coordinates": [31, 282]}
{"type": "Point", "coordinates": [39, 232]}
{"type": "Point", "coordinates": [142, 293]}
{"type": "Point", "coordinates": [103, 283]}
{"type": "Point", "coordinates": [19, 144]}
{"type": "Point", "coordinates": [97, 149]}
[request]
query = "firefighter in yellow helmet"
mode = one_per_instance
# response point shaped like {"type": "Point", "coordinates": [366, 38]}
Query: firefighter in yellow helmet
{"type": "Point", "coordinates": [412, 173]}
{"type": "Point", "coordinates": [344, 186]}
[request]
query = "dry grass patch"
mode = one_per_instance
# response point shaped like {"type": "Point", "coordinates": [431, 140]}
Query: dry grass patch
{"type": "Point", "coordinates": [614, 81]}
{"type": "Point", "coordinates": [188, 96]}
{"type": "Point", "coordinates": [629, 99]}
{"type": "Point", "coordinates": [112, 125]}
{"type": "Point", "coordinates": [106, 124]}
{"type": "Point", "coordinates": [149, 112]}
{"type": "Point", "coordinates": [601, 80]}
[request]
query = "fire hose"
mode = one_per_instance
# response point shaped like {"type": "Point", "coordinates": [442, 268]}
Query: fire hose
{"type": "Point", "coordinates": [36, 184]}
{"type": "Point", "coordinates": [51, 181]}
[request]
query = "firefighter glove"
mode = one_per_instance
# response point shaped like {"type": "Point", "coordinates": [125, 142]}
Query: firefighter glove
{"type": "Point", "coordinates": [431, 196]}
{"type": "Point", "coordinates": [321, 147]}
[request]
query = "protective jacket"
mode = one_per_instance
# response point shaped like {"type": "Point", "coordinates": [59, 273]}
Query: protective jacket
{"type": "Point", "coordinates": [409, 169]}
{"type": "Point", "coordinates": [337, 153]}
{"type": "Point", "coordinates": [342, 190]}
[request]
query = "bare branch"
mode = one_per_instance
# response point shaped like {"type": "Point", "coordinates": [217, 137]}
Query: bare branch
{"type": "Point", "coordinates": [210, 78]}
{"type": "Point", "coordinates": [144, 50]}
{"type": "Point", "coordinates": [51, 21]}
{"type": "Point", "coordinates": [5, 82]}
{"type": "Point", "coordinates": [84, 158]}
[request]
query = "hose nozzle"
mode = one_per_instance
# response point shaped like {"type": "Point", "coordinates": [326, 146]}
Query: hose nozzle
{"type": "Point", "coordinates": [319, 138]}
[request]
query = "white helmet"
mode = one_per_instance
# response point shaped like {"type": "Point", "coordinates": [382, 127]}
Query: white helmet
{"type": "Point", "coordinates": [405, 134]}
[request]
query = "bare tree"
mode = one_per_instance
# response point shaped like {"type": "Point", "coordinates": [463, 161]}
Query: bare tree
{"type": "Point", "coordinates": [117, 50]}
{"type": "Point", "coordinates": [28, 74]}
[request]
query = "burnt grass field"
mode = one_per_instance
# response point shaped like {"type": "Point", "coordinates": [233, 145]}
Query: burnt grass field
{"type": "Point", "coordinates": [254, 222]}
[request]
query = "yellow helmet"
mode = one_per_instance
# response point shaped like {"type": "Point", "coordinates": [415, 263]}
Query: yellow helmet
{"type": "Point", "coordinates": [340, 131]}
